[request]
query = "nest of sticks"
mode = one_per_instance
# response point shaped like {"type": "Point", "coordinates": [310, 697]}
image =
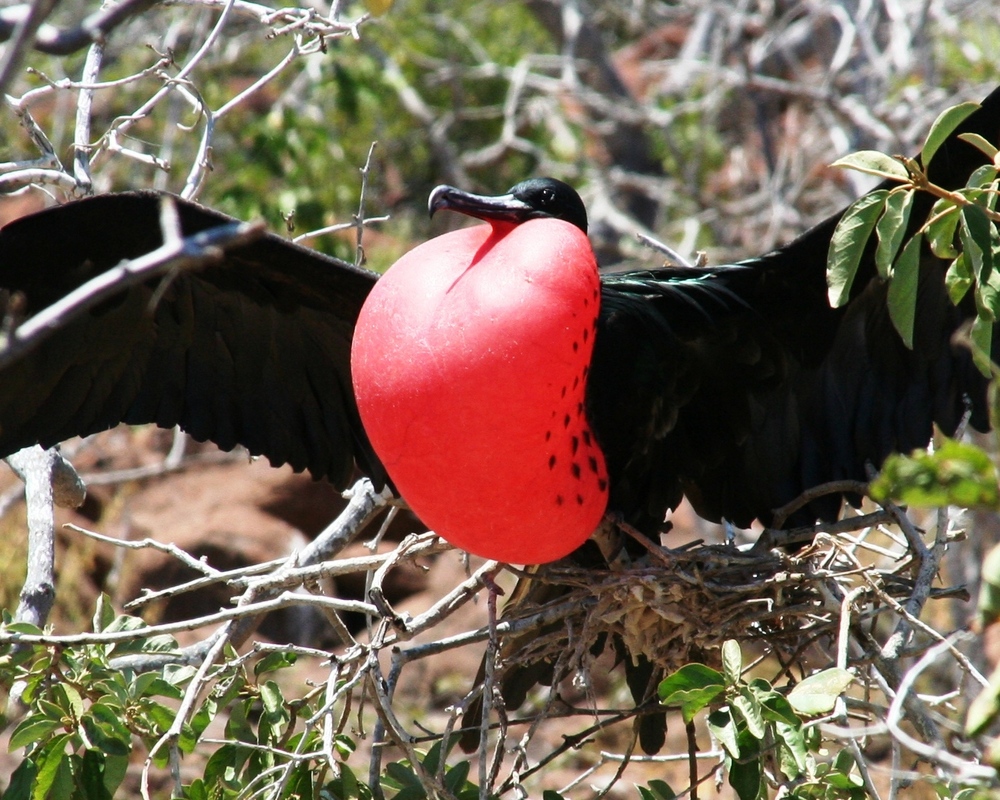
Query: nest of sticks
{"type": "Point", "coordinates": [676, 606]}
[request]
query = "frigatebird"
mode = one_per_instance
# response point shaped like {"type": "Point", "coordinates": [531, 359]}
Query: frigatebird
{"type": "Point", "coordinates": [737, 386]}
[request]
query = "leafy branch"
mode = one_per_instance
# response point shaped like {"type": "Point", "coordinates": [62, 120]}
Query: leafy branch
{"type": "Point", "coordinates": [968, 214]}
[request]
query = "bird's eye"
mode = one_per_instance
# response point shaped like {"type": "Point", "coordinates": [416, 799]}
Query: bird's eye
{"type": "Point", "coordinates": [548, 196]}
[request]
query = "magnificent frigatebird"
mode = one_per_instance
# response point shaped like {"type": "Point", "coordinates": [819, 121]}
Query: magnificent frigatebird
{"type": "Point", "coordinates": [737, 386]}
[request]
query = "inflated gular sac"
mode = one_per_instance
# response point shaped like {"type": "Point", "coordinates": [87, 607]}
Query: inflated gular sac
{"type": "Point", "coordinates": [469, 363]}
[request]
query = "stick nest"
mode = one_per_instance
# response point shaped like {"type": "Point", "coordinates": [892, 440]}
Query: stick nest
{"type": "Point", "coordinates": [678, 606]}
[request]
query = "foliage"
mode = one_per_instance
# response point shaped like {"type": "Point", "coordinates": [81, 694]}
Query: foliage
{"type": "Point", "coordinates": [761, 729]}
{"type": "Point", "coordinates": [954, 473]}
{"type": "Point", "coordinates": [86, 716]}
{"type": "Point", "coordinates": [967, 214]}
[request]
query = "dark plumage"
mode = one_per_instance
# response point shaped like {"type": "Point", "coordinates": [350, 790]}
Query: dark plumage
{"type": "Point", "coordinates": [253, 350]}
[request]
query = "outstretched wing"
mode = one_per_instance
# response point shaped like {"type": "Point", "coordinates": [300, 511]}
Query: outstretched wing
{"type": "Point", "coordinates": [253, 349]}
{"type": "Point", "coordinates": [740, 387]}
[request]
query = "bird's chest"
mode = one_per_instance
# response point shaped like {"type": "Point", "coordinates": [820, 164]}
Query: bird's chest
{"type": "Point", "coordinates": [470, 363]}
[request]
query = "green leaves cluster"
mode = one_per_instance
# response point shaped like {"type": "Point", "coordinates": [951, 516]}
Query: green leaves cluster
{"type": "Point", "coordinates": [82, 714]}
{"type": "Point", "coordinates": [402, 778]}
{"type": "Point", "coordinates": [762, 729]}
{"type": "Point", "coordinates": [87, 717]}
{"type": "Point", "coordinates": [954, 473]}
{"type": "Point", "coordinates": [965, 217]}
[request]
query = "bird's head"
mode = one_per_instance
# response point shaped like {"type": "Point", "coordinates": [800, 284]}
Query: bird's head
{"type": "Point", "coordinates": [536, 198]}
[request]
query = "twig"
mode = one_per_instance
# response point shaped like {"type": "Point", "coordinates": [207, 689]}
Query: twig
{"type": "Point", "coordinates": [49, 480]}
{"type": "Point", "coordinates": [444, 607]}
{"type": "Point", "coordinates": [24, 26]}
{"type": "Point", "coordinates": [189, 561]}
{"type": "Point", "coordinates": [84, 104]}
{"type": "Point", "coordinates": [965, 771]}
{"type": "Point", "coordinates": [816, 492]}
{"type": "Point", "coordinates": [359, 253]}
{"type": "Point", "coordinates": [363, 505]}
{"type": "Point", "coordinates": [661, 247]}
{"type": "Point", "coordinates": [246, 610]}
{"type": "Point", "coordinates": [60, 42]}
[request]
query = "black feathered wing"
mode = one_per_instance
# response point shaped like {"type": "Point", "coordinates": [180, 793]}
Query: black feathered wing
{"type": "Point", "coordinates": [251, 350]}
{"type": "Point", "coordinates": [740, 387]}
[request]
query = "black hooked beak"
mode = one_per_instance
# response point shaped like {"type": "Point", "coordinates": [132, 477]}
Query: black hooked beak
{"type": "Point", "coordinates": [504, 207]}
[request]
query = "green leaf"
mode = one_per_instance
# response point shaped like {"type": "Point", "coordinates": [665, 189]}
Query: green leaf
{"type": "Point", "coordinates": [873, 162]}
{"type": "Point", "coordinates": [32, 729]}
{"type": "Point", "coordinates": [943, 127]}
{"type": "Point", "coordinates": [845, 762]}
{"type": "Point", "coordinates": [774, 706]}
{"type": "Point", "coordinates": [22, 781]}
{"type": "Point", "coordinates": [274, 661]}
{"type": "Point", "coordinates": [981, 339]}
{"type": "Point", "coordinates": [902, 295]}
{"type": "Point", "coordinates": [124, 622]}
{"type": "Point", "coordinates": [197, 790]}
{"type": "Point", "coordinates": [847, 245]}
{"type": "Point", "coordinates": [150, 684]}
{"type": "Point", "coordinates": [104, 613]}
{"type": "Point", "coordinates": [732, 661]}
{"type": "Point", "coordinates": [178, 674]}
{"type": "Point", "coordinates": [958, 279]}
{"type": "Point", "coordinates": [66, 779]}
{"type": "Point", "coordinates": [955, 473]}
{"type": "Point", "coordinates": [402, 774]}
{"type": "Point", "coordinates": [941, 232]}
{"type": "Point", "coordinates": [891, 227]}
{"type": "Point", "coordinates": [161, 716]}
{"type": "Point", "coordinates": [980, 144]}
{"type": "Point", "coordinates": [91, 777]}
{"type": "Point", "coordinates": [115, 770]}
{"type": "Point", "coordinates": [51, 760]}
{"type": "Point", "coordinates": [455, 778]}
{"type": "Point", "coordinates": [817, 694]}
{"type": "Point", "coordinates": [988, 298]}
{"type": "Point", "coordinates": [745, 779]}
{"type": "Point", "coordinates": [159, 644]}
{"type": "Point", "coordinates": [224, 765]}
{"type": "Point", "coordinates": [349, 785]}
{"type": "Point", "coordinates": [692, 687]}
{"type": "Point", "coordinates": [984, 710]}
{"type": "Point", "coordinates": [793, 753]}
{"type": "Point", "coordinates": [430, 761]}
{"type": "Point", "coordinates": [981, 178]}
{"type": "Point", "coordinates": [749, 708]}
{"type": "Point", "coordinates": [106, 730]}
{"type": "Point", "coordinates": [238, 725]}
{"type": "Point", "coordinates": [657, 790]}
{"type": "Point", "coordinates": [988, 605]}
{"type": "Point", "coordinates": [344, 745]}
{"type": "Point", "coordinates": [68, 699]}
{"type": "Point", "coordinates": [723, 728]}
{"type": "Point", "coordinates": [977, 241]}
{"type": "Point", "coordinates": [25, 628]}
